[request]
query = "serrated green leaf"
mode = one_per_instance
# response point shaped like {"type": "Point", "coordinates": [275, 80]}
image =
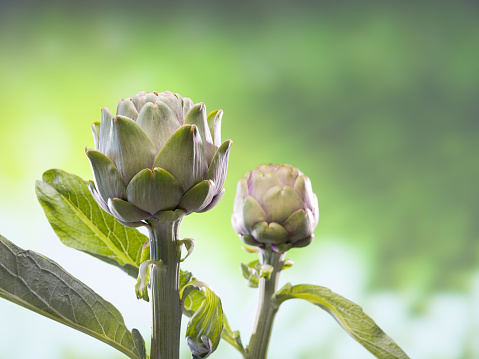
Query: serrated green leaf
{"type": "Point", "coordinates": [349, 315]}
{"type": "Point", "coordinates": [185, 277]}
{"type": "Point", "coordinates": [192, 303]}
{"type": "Point", "coordinates": [80, 223]}
{"type": "Point", "coordinates": [204, 329]}
{"type": "Point", "coordinates": [41, 285]}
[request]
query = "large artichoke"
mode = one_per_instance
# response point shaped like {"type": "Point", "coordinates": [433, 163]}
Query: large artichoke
{"type": "Point", "coordinates": [160, 157]}
{"type": "Point", "coordinates": [275, 208]}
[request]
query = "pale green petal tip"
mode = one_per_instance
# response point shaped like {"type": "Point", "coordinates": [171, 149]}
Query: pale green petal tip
{"type": "Point", "coordinates": [128, 135]}
{"type": "Point", "coordinates": [169, 216]}
{"type": "Point", "coordinates": [279, 203]}
{"type": "Point", "coordinates": [154, 191]}
{"type": "Point", "coordinates": [271, 233]}
{"type": "Point", "coordinates": [283, 247]}
{"type": "Point", "coordinates": [238, 224]}
{"type": "Point", "coordinates": [146, 113]}
{"type": "Point", "coordinates": [262, 182]}
{"type": "Point", "coordinates": [299, 225]}
{"type": "Point", "coordinates": [149, 97]}
{"type": "Point", "coordinates": [158, 122]}
{"type": "Point", "coordinates": [219, 165]}
{"type": "Point", "coordinates": [95, 129]}
{"type": "Point", "coordinates": [127, 108]}
{"type": "Point", "coordinates": [214, 124]}
{"type": "Point", "coordinates": [197, 116]}
{"type": "Point", "coordinates": [252, 212]}
{"type": "Point", "coordinates": [198, 197]}
{"type": "Point", "coordinates": [216, 199]}
{"type": "Point", "coordinates": [197, 110]}
{"type": "Point", "coordinates": [249, 241]}
{"type": "Point", "coordinates": [108, 180]}
{"type": "Point", "coordinates": [241, 193]}
{"type": "Point", "coordinates": [96, 195]}
{"type": "Point", "coordinates": [132, 224]}
{"type": "Point", "coordinates": [182, 156]}
{"type": "Point", "coordinates": [304, 242]}
{"type": "Point", "coordinates": [125, 211]}
{"type": "Point", "coordinates": [105, 129]}
{"type": "Point", "coordinates": [286, 175]}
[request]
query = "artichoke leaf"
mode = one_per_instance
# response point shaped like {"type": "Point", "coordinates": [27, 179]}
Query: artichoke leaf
{"type": "Point", "coordinates": [80, 223]}
{"type": "Point", "coordinates": [349, 315]}
{"type": "Point", "coordinates": [41, 285]}
{"type": "Point", "coordinates": [204, 329]}
{"type": "Point", "coordinates": [193, 300]}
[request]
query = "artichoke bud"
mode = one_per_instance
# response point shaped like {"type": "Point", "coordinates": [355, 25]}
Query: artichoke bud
{"type": "Point", "coordinates": [275, 208]}
{"type": "Point", "coordinates": [160, 157]}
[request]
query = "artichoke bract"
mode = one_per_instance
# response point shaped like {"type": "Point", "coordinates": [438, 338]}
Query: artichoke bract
{"type": "Point", "coordinates": [160, 157]}
{"type": "Point", "coordinates": [275, 208]}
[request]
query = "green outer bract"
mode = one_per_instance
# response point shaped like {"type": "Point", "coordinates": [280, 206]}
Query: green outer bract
{"type": "Point", "coordinates": [275, 208]}
{"type": "Point", "coordinates": [160, 157]}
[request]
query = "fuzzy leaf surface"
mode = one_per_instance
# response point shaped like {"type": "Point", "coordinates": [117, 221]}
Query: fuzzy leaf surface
{"type": "Point", "coordinates": [193, 302]}
{"type": "Point", "coordinates": [80, 223]}
{"type": "Point", "coordinates": [41, 285]}
{"type": "Point", "coordinates": [349, 315]}
{"type": "Point", "coordinates": [204, 329]}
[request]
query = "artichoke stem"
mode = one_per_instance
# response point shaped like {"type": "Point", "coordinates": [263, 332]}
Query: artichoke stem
{"type": "Point", "coordinates": [258, 346]}
{"type": "Point", "coordinates": [165, 338]}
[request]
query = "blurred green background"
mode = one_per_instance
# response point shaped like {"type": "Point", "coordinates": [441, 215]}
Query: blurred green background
{"type": "Point", "coordinates": [376, 101]}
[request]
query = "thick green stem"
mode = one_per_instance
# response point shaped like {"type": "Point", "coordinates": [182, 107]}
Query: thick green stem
{"type": "Point", "coordinates": [263, 326]}
{"type": "Point", "coordinates": [165, 338]}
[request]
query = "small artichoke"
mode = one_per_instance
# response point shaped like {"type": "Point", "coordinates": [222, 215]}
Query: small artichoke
{"type": "Point", "coordinates": [160, 157]}
{"type": "Point", "coordinates": [275, 208]}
